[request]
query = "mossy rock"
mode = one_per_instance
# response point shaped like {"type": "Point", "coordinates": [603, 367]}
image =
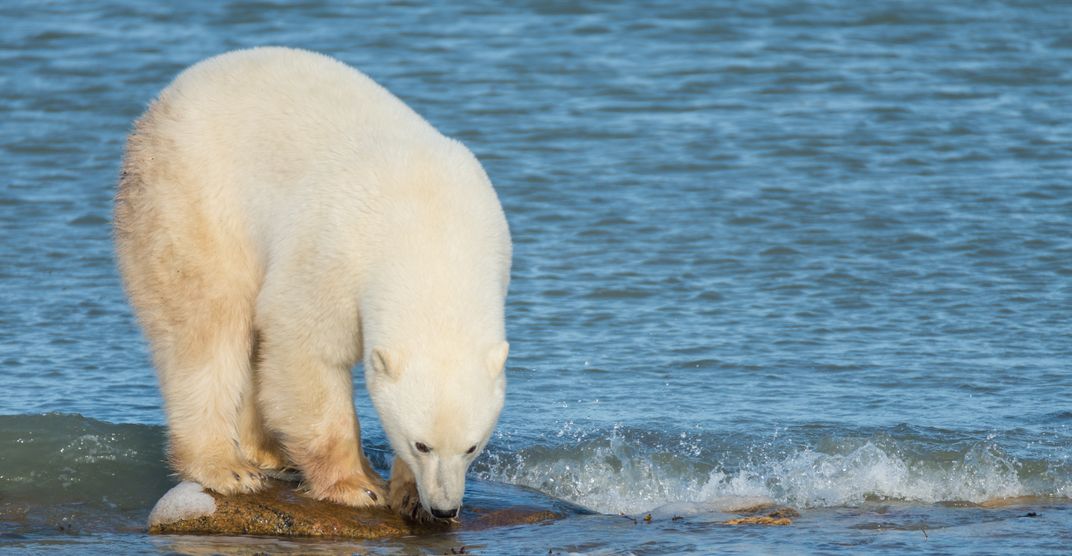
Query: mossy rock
{"type": "Point", "coordinates": [279, 510]}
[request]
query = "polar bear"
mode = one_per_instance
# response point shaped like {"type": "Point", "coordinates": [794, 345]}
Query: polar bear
{"type": "Point", "coordinates": [279, 216]}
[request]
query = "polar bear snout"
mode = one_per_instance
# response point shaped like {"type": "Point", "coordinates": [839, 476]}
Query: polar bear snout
{"type": "Point", "coordinates": [445, 514]}
{"type": "Point", "coordinates": [441, 484]}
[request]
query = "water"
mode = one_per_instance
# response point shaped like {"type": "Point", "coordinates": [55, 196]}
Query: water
{"type": "Point", "coordinates": [817, 252]}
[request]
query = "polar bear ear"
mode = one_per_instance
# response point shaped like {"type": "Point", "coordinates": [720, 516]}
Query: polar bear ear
{"type": "Point", "coordinates": [384, 364]}
{"type": "Point", "coordinates": [497, 358]}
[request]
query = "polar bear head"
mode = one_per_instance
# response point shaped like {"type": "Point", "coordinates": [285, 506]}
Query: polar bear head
{"type": "Point", "coordinates": [438, 413]}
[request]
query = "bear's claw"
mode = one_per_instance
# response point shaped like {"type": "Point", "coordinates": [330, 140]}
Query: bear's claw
{"type": "Point", "coordinates": [357, 491]}
{"type": "Point", "coordinates": [404, 499]}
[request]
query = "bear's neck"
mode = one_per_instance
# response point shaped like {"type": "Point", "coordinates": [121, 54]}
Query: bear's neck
{"type": "Point", "coordinates": [432, 306]}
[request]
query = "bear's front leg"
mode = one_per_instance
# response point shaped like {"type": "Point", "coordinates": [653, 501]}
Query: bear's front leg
{"type": "Point", "coordinates": [402, 494]}
{"type": "Point", "coordinates": [306, 395]}
{"type": "Point", "coordinates": [320, 433]}
{"type": "Point", "coordinates": [335, 471]}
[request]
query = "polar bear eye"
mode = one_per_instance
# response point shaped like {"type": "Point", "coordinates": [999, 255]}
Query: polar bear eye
{"type": "Point", "coordinates": [471, 449]}
{"type": "Point", "coordinates": [422, 447]}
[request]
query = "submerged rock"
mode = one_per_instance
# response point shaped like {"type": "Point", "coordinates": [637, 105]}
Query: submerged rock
{"type": "Point", "coordinates": [1006, 502]}
{"type": "Point", "coordinates": [780, 516]}
{"type": "Point", "coordinates": [759, 520]}
{"type": "Point", "coordinates": [278, 510]}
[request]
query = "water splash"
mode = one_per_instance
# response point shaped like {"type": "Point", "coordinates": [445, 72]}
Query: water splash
{"type": "Point", "coordinates": [629, 471]}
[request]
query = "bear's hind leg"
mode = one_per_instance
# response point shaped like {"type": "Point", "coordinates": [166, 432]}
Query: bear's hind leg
{"type": "Point", "coordinates": [202, 362]}
{"type": "Point", "coordinates": [202, 383]}
{"type": "Point", "coordinates": [259, 445]}
{"type": "Point", "coordinates": [193, 290]}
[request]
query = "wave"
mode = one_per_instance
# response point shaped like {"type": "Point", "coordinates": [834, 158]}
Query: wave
{"type": "Point", "coordinates": [55, 458]}
{"type": "Point", "coordinates": [69, 473]}
{"type": "Point", "coordinates": [629, 471]}
{"type": "Point", "coordinates": [56, 466]}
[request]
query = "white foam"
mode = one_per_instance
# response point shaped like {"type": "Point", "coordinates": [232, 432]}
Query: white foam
{"type": "Point", "coordinates": [617, 476]}
{"type": "Point", "coordinates": [812, 479]}
{"type": "Point", "coordinates": [184, 501]}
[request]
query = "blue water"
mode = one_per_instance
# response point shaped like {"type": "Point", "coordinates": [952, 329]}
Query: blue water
{"type": "Point", "coordinates": [819, 252]}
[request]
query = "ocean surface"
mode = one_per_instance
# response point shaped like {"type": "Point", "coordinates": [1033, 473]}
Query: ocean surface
{"type": "Point", "coordinates": [818, 252]}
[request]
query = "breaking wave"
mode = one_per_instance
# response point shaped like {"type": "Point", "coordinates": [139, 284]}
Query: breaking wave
{"type": "Point", "coordinates": [630, 471]}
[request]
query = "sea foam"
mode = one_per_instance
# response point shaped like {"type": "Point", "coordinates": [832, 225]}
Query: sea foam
{"type": "Point", "coordinates": [622, 473]}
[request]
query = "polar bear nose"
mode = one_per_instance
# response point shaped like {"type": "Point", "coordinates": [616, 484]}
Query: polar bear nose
{"type": "Point", "coordinates": [444, 514]}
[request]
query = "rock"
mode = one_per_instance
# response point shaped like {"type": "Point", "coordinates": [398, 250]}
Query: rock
{"type": "Point", "coordinates": [721, 504]}
{"type": "Point", "coordinates": [759, 520]}
{"type": "Point", "coordinates": [278, 510]}
{"type": "Point", "coordinates": [1006, 502]}
{"type": "Point", "coordinates": [780, 516]}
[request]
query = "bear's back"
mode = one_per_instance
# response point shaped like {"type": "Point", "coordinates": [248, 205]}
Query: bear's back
{"type": "Point", "coordinates": [267, 127]}
{"type": "Point", "coordinates": [289, 89]}
{"type": "Point", "coordinates": [289, 148]}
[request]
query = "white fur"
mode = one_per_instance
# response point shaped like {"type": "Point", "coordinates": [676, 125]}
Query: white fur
{"type": "Point", "coordinates": [282, 216]}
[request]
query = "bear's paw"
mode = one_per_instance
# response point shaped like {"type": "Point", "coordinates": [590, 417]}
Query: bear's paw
{"type": "Point", "coordinates": [359, 491]}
